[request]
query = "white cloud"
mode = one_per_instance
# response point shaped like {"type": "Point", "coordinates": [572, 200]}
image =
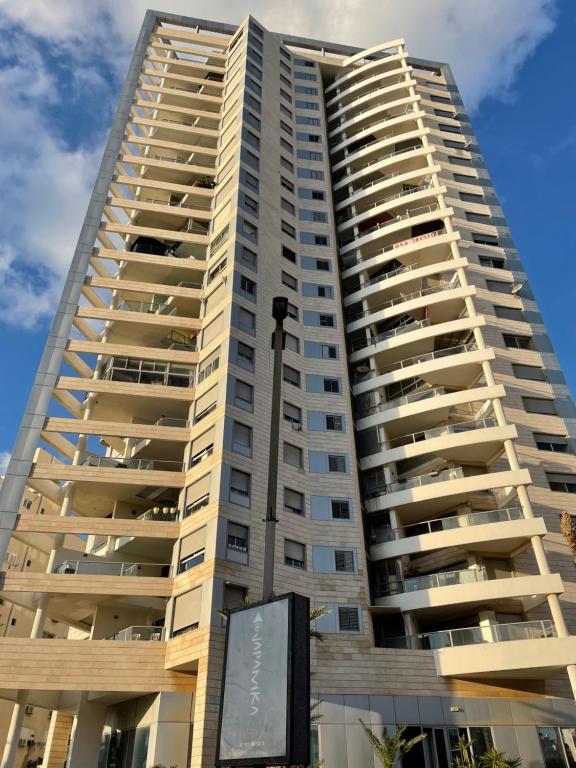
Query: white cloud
{"type": "Point", "coordinates": [4, 459]}
{"type": "Point", "coordinates": [44, 184]}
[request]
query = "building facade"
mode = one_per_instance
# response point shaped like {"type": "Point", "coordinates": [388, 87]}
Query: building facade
{"type": "Point", "coordinates": [426, 449]}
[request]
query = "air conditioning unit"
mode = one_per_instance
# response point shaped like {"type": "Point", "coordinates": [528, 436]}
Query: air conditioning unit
{"type": "Point", "coordinates": [29, 709]}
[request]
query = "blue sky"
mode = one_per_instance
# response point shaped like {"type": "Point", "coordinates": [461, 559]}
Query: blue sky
{"type": "Point", "coordinates": [60, 74]}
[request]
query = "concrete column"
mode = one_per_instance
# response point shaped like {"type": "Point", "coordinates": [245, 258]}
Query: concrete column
{"type": "Point", "coordinates": [11, 747]}
{"type": "Point", "coordinates": [85, 747]}
{"type": "Point", "coordinates": [58, 738]}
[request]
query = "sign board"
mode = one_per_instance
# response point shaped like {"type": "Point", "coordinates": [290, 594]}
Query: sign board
{"type": "Point", "coordinates": [265, 712]}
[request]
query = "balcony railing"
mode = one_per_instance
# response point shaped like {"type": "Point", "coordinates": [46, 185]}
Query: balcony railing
{"type": "Point", "coordinates": [483, 517]}
{"type": "Point", "coordinates": [352, 260]}
{"type": "Point", "coordinates": [108, 568]}
{"type": "Point", "coordinates": [110, 462]}
{"type": "Point", "coordinates": [334, 142]}
{"type": "Point", "coordinates": [436, 355]}
{"type": "Point", "coordinates": [429, 434]}
{"type": "Point", "coordinates": [155, 634]}
{"type": "Point", "coordinates": [148, 372]}
{"type": "Point", "coordinates": [404, 193]}
{"type": "Point", "coordinates": [490, 633]}
{"type": "Point", "coordinates": [402, 299]}
{"type": "Point", "coordinates": [374, 489]}
{"type": "Point", "coordinates": [412, 397]}
{"type": "Point", "coordinates": [379, 159]}
{"type": "Point", "coordinates": [203, 206]}
{"type": "Point", "coordinates": [160, 514]}
{"type": "Point", "coordinates": [147, 307]}
{"type": "Point", "coordinates": [387, 116]}
{"type": "Point", "coordinates": [337, 107]}
{"type": "Point", "coordinates": [432, 581]}
{"type": "Point", "coordinates": [378, 337]}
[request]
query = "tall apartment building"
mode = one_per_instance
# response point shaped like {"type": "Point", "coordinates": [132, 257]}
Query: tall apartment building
{"type": "Point", "coordinates": [426, 438]}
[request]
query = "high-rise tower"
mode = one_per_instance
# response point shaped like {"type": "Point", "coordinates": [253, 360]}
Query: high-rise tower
{"type": "Point", "coordinates": [426, 440]}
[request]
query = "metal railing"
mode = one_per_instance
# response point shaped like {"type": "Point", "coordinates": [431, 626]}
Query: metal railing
{"type": "Point", "coordinates": [111, 462]}
{"type": "Point", "coordinates": [429, 434]}
{"type": "Point", "coordinates": [412, 397]}
{"type": "Point", "coordinates": [483, 517]}
{"type": "Point", "coordinates": [402, 299]}
{"type": "Point", "coordinates": [338, 108]}
{"type": "Point", "coordinates": [404, 193]}
{"type": "Point", "coordinates": [372, 490]}
{"type": "Point", "coordinates": [352, 261]}
{"type": "Point", "coordinates": [169, 203]}
{"type": "Point", "coordinates": [367, 60]}
{"type": "Point", "coordinates": [139, 633]}
{"type": "Point", "coordinates": [116, 371]}
{"type": "Point", "coordinates": [409, 214]}
{"type": "Point", "coordinates": [108, 568]}
{"type": "Point", "coordinates": [153, 308]}
{"type": "Point", "coordinates": [378, 337]}
{"type": "Point", "coordinates": [167, 421]}
{"type": "Point", "coordinates": [489, 633]}
{"type": "Point", "coordinates": [385, 119]}
{"type": "Point", "coordinates": [334, 143]}
{"type": "Point", "coordinates": [426, 357]}
{"type": "Point", "coordinates": [159, 514]}
{"type": "Point", "coordinates": [432, 581]}
{"type": "Point", "coordinates": [379, 159]}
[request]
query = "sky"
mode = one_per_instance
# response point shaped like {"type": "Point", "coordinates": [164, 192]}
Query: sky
{"type": "Point", "coordinates": [62, 65]}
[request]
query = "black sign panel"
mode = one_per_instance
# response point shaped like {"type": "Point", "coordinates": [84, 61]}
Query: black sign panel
{"type": "Point", "coordinates": [265, 712]}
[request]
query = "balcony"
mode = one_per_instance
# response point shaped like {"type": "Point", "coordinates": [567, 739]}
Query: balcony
{"type": "Point", "coordinates": [141, 634]}
{"type": "Point", "coordinates": [148, 372]}
{"type": "Point", "coordinates": [149, 465]}
{"type": "Point", "coordinates": [347, 216]}
{"type": "Point", "coordinates": [346, 177]}
{"type": "Point", "coordinates": [489, 633]}
{"type": "Point", "coordinates": [496, 531]}
{"type": "Point", "coordinates": [415, 295]}
{"type": "Point", "coordinates": [102, 567]}
{"type": "Point", "coordinates": [432, 581]}
{"type": "Point", "coordinates": [379, 337]}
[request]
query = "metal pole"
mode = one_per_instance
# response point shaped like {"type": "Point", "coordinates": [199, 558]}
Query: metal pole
{"type": "Point", "coordinates": [279, 313]}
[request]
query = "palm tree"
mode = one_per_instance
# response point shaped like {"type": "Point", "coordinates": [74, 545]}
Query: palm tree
{"type": "Point", "coordinates": [389, 748]}
{"type": "Point", "coordinates": [463, 759]}
{"type": "Point", "coordinates": [495, 759]}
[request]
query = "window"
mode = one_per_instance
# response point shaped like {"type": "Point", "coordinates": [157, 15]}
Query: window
{"type": "Point", "coordinates": [291, 376]}
{"type": "Point", "coordinates": [289, 281]}
{"type": "Point", "coordinates": [293, 501]}
{"type": "Point", "coordinates": [553, 443]}
{"type": "Point", "coordinates": [240, 488]}
{"type": "Point", "coordinates": [478, 218]}
{"type": "Point", "coordinates": [498, 286]}
{"type": "Point", "coordinates": [542, 405]}
{"type": "Point", "coordinates": [293, 455]}
{"type": "Point", "coordinates": [307, 173]}
{"type": "Point", "coordinates": [249, 180]}
{"type": "Point", "coordinates": [308, 154]}
{"type": "Point", "coordinates": [331, 385]}
{"type": "Point", "coordinates": [509, 313]}
{"type": "Point", "coordinates": [291, 342]}
{"type": "Point", "coordinates": [286, 145]}
{"type": "Point", "coordinates": [340, 509]}
{"type": "Point", "coordinates": [334, 423]}
{"type": "Point", "coordinates": [250, 159]}
{"type": "Point", "coordinates": [320, 217]}
{"type": "Point", "coordinates": [344, 561]}
{"type": "Point", "coordinates": [329, 351]}
{"type": "Point", "coordinates": [284, 52]}
{"type": "Point", "coordinates": [237, 538]}
{"type": "Point", "coordinates": [326, 321]}
{"type": "Point", "coordinates": [325, 291]}
{"type": "Point", "coordinates": [336, 462]}
{"type": "Point", "coordinates": [307, 90]}
{"type": "Point", "coordinates": [249, 204]}
{"type": "Point", "coordinates": [464, 178]}
{"type": "Point", "coordinates": [305, 76]}
{"type": "Point", "coordinates": [288, 229]}
{"type": "Point", "coordinates": [313, 138]}
{"type": "Point", "coordinates": [292, 312]}
{"type": "Point", "coordinates": [249, 230]}
{"type": "Point", "coordinates": [531, 372]}
{"type": "Point", "coordinates": [286, 184]}
{"type": "Point", "coordinates": [483, 239]}
{"type": "Point", "coordinates": [286, 96]}
{"type": "Point", "coordinates": [492, 261]}
{"type": "Point", "coordinates": [302, 63]}
{"type": "Point", "coordinates": [246, 321]}
{"type": "Point", "coordinates": [215, 271]}
{"type": "Point", "coordinates": [560, 482]}
{"type": "Point", "coordinates": [300, 104]}
{"type": "Point", "coordinates": [294, 554]}
{"type": "Point", "coordinates": [247, 286]}
{"type": "Point", "coordinates": [285, 111]}
{"type": "Point", "coordinates": [241, 438]}
{"type": "Point", "coordinates": [288, 206]}
{"type": "Point", "coordinates": [248, 257]}
{"type": "Point", "coordinates": [468, 197]}
{"type": "Point", "coordinates": [244, 356]}
{"type": "Point", "coordinates": [292, 414]}
{"type": "Point", "coordinates": [459, 160]}
{"type": "Point", "coordinates": [196, 558]}
{"type": "Point", "coordinates": [286, 128]}
{"type": "Point", "coordinates": [557, 746]}
{"type": "Point", "coordinates": [251, 139]}
{"type": "Point", "coordinates": [287, 253]}
{"type": "Point", "coordinates": [304, 120]}
{"type": "Point", "coordinates": [348, 619]}
{"type": "Point", "coordinates": [311, 194]}
{"type": "Point", "coordinates": [286, 164]}
{"type": "Point", "coordinates": [513, 341]}
{"type": "Point", "coordinates": [285, 80]}
{"type": "Point", "coordinates": [285, 67]}
{"type": "Point", "coordinates": [243, 395]}
{"type": "Point", "coordinates": [323, 265]}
